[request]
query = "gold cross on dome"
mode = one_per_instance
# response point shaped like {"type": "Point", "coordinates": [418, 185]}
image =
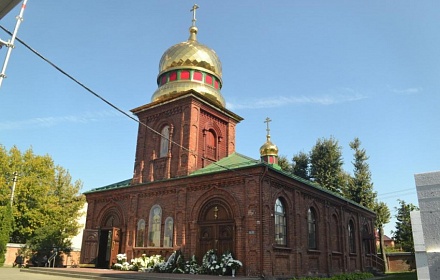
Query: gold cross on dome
{"type": "Point", "coordinates": [194, 8]}
{"type": "Point", "coordinates": [267, 121]}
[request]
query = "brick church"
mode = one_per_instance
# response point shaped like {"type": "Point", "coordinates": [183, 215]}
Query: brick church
{"type": "Point", "coordinates": [191, 191]}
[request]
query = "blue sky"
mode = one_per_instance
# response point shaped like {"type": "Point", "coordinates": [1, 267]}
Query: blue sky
{"type": "Point", "coordinates": [342, 69]}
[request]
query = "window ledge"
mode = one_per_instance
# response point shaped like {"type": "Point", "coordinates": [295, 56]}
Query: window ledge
{"type": "Point", "coordinates": [281, 248]}
{"type": "Point", "coordinates": [336, 253]}
{"type": "Point", "coordinates": [314, 251]}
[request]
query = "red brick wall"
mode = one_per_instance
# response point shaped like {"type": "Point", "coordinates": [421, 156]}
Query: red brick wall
{"type": "Point", "coordinates": [401, 261]}
{"type": "Point", "coordinates": [190, 118]}
{"type": "Point", "coordinates": [184, 198]}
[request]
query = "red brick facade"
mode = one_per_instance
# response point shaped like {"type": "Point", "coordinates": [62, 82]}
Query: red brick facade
{"type": "Point", "coordinates": [206, 131]}
{"type": "Point", "coordinates": [231, 209]}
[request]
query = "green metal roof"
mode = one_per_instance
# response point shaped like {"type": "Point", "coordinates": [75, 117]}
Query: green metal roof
{"type": "Point", "coordinates": [233, 161]}
{"type": "Point", "coordinates": [118, 185]}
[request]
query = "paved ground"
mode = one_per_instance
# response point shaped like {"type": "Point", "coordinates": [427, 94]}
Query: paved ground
{"type": "Point", "coordinates": [100, 274]}
{"type": "Point", "coordinates": [14, 273]}
{"type": "Point", "coordinates": [8, 273]}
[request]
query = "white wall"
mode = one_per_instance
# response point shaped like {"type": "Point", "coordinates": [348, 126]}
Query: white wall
{"type": "Point", "coordinates": [428, 192]}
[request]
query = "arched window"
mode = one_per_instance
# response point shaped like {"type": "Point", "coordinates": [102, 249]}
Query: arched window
{"type": "Point", "coordinates": [140, 234]}
{"type": "Point", "coordinates": [168, 232]}
{"type": "Point", "coordinates": [351, 240]}
{"type": "Point", "coordinates": [211, 144]}
{"type": "Point", "coordinates": [164, 141]}
{"type": "Point", "coordinates": [154, 226]}
{"type": "Point", "coordinates": [366, 240]}
{"type": "Point", "coordinates": [335, 236]}
{"type": "Point", "coordinates": [311, 228]}
{"type": "Point", "coordinates": [280, 223]}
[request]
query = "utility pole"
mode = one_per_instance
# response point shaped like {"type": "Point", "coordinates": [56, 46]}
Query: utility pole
{"type": "Point", "coordinates": [14, 181]}
{"type": "Point", "coordinates": [10, 43]}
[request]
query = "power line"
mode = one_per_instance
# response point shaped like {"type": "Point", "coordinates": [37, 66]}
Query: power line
{"type": "Point", "coordinates": [111, 104]}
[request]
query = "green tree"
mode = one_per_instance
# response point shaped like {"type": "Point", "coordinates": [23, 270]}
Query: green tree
{"type": "Point", "coordinates": [46, 204]}
{"type": "Point", "coordinates": [5, 229]}
{"type": "Point", "coordinates": [383, 217]}
{"type": "Point", "coordinates": [360, 187]}
{"type": "Point", "coordinates": [403, 233]}
{"type": "Point", "coordinates": [300, 165]}
{"type": "Point", "coordinates": [284, 163]}
{"type": "Point", "coordinates": [326, 164]}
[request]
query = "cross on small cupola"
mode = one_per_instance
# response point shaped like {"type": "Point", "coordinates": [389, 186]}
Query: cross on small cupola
{"type": "Point", "coordinates": [193, 10]}
{"type": "Point", "coordinates": [267, 121]}
{"type": "Point", "coordinates": [269, 151]}
{"type": "Point", "coordinates": [193, 29]}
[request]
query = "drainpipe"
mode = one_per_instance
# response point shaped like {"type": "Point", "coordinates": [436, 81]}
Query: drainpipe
{"type": "Point", "coordinates": [261, 221]}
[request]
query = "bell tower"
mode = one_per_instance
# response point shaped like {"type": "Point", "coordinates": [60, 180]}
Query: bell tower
{"type": "Point", "coordinates": [186, 126]}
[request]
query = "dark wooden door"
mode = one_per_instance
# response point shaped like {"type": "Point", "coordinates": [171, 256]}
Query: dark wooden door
{"type": "Point", "coordinates": [89, 250]}
{"type": "Point", "coordinates": [109, 241]}
{"type": "Point", "coordinates": [218, 236]}
{"type": "Point", "coordinates": [115, 245]}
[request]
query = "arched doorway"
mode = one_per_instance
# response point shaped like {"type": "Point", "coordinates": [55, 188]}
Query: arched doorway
{"type": "Point", "coordinates": [216, 228]}
{"type": "Point", "coordinates": [101, 246]}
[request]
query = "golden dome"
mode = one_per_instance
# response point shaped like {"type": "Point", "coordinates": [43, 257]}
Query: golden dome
{"type": "Point", "coordinates": [190, 65]}
{"type": "Point", "coordinates": [268, 148]}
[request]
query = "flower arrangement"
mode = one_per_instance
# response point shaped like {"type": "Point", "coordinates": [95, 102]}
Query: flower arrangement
{"type": "Point", "coordinates": [235, 264]}
{"type": "Point", "coordinates": [145, 263]}
{"type": "Point", "coordinates": [192, 267]}
{"type": "Point", "coordinates": [230, 264]}
{"type": "Point", "coordinates": [211, 264]}
{"type": "Point", "coordinates": [122, 263]}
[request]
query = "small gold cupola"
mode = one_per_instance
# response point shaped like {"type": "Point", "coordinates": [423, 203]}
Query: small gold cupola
{"type": "Point", "coordinates": [190, 66]}
{"type": "Point", "coordinates": [269, 151]}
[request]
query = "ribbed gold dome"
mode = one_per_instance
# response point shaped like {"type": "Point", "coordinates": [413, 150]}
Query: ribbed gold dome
{"type": "Point", "coordinates": [268, 148]}
{"type": "Point", "coordinates": [190, 65]}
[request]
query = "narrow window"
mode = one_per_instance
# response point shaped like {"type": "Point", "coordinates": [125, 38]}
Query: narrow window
{"type": "Point", "coordinates": [198, 76]}
{"type": "Point", "coordinates": [366, 240]}
{"type": "Point", "coordinates": [280, 223]}
{"type": "Point", "coordinates": [311, 228]}
{"type": "Point", "coordinates": [173, 76]}
{"type": "Point", "coordinates": [140, 235]}
{"type": "Point", "coordinates": [154, 226]}
{"type": "Point", "coordinates": [211, 144]}
{"type": "Point", "coordinates": [184, 75]}
{"type": "Point", "coordinates": [351, 241]}
{"type": "Point", "coordinates": [164, 141]}
{"type": "Point", "coordinates": [208, 79]}
{"type": "Point", "coordinates": [335, 234]}
{"type": "Point", "coordinates": [168, 232]}
{"type": "Point", "coordinates": [163, 79]}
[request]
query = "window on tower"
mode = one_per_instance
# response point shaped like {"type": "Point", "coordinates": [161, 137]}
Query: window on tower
{"type": "Point", "coordinates": [208, 79]}
{"type": "Point", "coordinates": [198, 76]}
{"type": "Point", "coordinates": [184, 75]}
{"type": "Point", "coordinates": [211, 144]}
{"type": "Point", "coordinates": [164, 141]}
